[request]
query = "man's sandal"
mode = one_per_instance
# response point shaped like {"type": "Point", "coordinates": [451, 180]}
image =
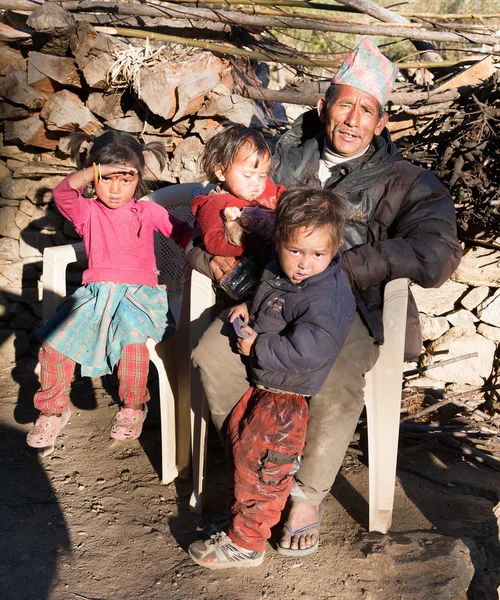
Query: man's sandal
{"type": "Point", "coordinates": [296, 532]}
{"type": "Point", "coordinates": [127, 424]}
{"type": "Point", "coordinates": [46, 429]}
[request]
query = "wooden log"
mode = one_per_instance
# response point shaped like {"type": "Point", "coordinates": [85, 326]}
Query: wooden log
{"type": "Point", "coordinates": [11, 111]}
{"type": "Point", "coordinates": [66, 112]}
{"type": "Point", "coordinates": [53, 27]}
{"type": "Point", "coordinates": [175, 89]}
{"type": "Point", "coordinates": [106, 106]}
{"type": "Point", "coordinates": [11, 60]}
{"type": "Point", "coordinates": [313, 92]}
{"type": "Point", "coordinates": [44, 69]}
{"type": "Point", "coordinates": [15, 88]}
{"type": "Point", "coordinates": [235, 18]}
{"type": "Point", "coordinates": [31, 132]}
{"type": "Point", "coordinates": [93, 53]}
{"type": "Point", "coordinates": [11, 34]}
{"type": "Point", "coordinates": [284, 22]}
{"type": "Point", "coordinates": [473, 75]}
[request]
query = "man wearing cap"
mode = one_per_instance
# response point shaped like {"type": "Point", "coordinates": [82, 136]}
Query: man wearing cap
{"type": "Point", "coordinates": [401, 223]}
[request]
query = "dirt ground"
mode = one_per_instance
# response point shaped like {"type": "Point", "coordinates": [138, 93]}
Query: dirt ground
{"type": "Point", "coordinates": [92, 522]}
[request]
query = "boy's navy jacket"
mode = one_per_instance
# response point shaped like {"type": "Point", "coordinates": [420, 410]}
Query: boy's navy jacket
{"type": "Point", "coordinates": [301, 328]}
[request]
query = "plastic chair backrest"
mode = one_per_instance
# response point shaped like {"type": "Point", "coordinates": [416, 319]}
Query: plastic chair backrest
{"type": "Point", "coordinates": [169, 257]}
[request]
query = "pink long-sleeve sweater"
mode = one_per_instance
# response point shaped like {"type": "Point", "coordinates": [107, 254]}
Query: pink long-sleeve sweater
{"type": "Point", "coordinates": [119, 242]}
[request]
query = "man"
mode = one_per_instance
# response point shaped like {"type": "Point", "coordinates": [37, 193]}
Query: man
{"type": "Point", "coordinates": [401, 223]}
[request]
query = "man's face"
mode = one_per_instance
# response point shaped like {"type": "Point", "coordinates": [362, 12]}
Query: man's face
{"type": "Point", "coordinates": [351, 120]}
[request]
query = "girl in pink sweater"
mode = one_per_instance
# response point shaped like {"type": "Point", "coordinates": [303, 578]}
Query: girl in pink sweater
{"type": "Point", "coordinates": [107, 321]}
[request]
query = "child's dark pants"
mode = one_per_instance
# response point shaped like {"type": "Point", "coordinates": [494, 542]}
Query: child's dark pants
{"type": "Point", "coordinates": [266, 431]}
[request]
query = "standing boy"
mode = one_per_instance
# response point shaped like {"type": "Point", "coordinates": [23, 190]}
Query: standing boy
{"type": "Point", "coordinates": [300, 317]}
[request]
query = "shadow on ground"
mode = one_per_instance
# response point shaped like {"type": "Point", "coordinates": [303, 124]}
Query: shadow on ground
{"type": "Point", "coordinates": [34, 532]}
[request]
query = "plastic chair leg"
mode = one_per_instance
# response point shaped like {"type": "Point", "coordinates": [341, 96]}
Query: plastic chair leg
{"type": "Point", "coordinates": [383, 402]}
{"type": "Point", "coordinates": [169, 469]}
{"type": "Point", "coordinates": [202, 302]}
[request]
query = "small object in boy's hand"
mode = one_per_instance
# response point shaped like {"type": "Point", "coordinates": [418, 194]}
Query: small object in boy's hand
{"type": "Point", "coordinates": [238, 324]}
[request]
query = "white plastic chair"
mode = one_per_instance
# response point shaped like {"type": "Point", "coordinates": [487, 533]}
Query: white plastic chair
{"type": "Point", "coordinates": [382, 399]}
{"type": "Point", "coordinates": [172, 364]}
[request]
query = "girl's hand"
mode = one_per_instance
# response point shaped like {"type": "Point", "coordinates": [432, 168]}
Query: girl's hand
{"type": "Point", "coordinates": [116, 169]}
{"type": "Point", "coordinates": [245, 344]}
{"type": "Point", "coordinates": [241, 311]}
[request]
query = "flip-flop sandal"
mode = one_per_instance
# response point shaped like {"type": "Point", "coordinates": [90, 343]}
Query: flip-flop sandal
{"type": "Point", "coordinates": [127, 424]}
{"type": "Point", "coordinates": [305, 551]}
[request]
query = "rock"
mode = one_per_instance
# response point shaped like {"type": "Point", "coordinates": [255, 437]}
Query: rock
{"type": "Point", "coordinates": [479, 266]}
{"type": "Point", "coordinates": [17, 189]}
{"type": "Point", "coordinates": [414, 565]}
{"type": "Point", "coordinates": [22, 220]}
{"type": "Point", "coordinates": [475, 297]}
{"type": "Point", "coordinates": [489, 332]}
{"type": "Point", "coordinates": [184, 165]}
{"type": "Point", "coordinates": [433, 327]}
{"type": "Point", "coordinates": [13, 151]}
{"type": "Point", "coordinates": [4, 171]}
{"type": "Point", "coordinates": [438, 301]}
{"type": "Point", "coordinates": [489, 312]}
{"type": "Point", "coordinates": [206, 128]}
{"type": "Point", "coordinates": [42, 194]}
{"type": "Point", "coordinates": [9, 248]}
{"type": "Point", "coordinates": [8, 227]}
{"type": "Point", "coordinates": [453, 343]}
{"type": "Point", "coordinates": [463, 318]}
{"type": "Point", "coordinates": [41, 169]}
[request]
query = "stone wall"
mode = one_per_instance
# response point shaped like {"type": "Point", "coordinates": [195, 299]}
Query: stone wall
{"type": "Point", "coordinates": [460, 318]}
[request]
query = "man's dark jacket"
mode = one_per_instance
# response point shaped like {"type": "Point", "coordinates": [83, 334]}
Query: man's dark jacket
{"type": "Point", "coordinates": [401, 219]}
{"type": "Point", "coordinates": [301, 328]}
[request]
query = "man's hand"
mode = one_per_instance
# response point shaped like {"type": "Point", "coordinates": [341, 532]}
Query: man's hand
{"type": "Point", "coordinates": [245, 344]}
{"type": "Point", "coordinates": [241, 311]}
{"type": "Point", "coordinates": [220, 265]}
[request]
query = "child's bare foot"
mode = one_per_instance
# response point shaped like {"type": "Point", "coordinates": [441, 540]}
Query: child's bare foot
{"type": "Point", "coordinates": [301, 532]}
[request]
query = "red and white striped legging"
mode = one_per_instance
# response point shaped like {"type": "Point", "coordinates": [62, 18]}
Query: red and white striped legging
{"type": "Point", "coordinates": [57, 371]}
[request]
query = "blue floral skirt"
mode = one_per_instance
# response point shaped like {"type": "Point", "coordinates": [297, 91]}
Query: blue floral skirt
{"type": "Point", "coordinates": [94, 324]}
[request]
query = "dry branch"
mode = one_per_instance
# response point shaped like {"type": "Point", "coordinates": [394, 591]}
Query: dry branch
{"type": "Point", "coordinates": [234, 18]}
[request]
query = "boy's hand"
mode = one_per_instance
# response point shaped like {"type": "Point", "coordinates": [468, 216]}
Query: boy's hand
{"type": "Point", "coordinates": [245, 344]}
{"type": "Point", "coordinates": [241, 311]}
